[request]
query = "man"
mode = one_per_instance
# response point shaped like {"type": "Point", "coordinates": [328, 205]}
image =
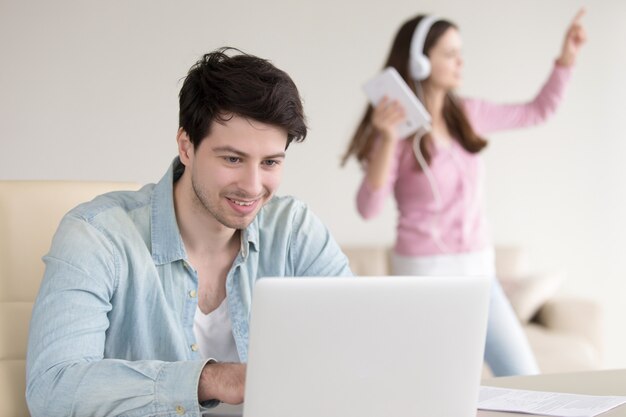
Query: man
{"type": "Point", "coordinates": [145, 302]}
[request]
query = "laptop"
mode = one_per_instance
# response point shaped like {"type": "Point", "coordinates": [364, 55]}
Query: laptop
{"type": "Point", "coordinates": [366, 346]}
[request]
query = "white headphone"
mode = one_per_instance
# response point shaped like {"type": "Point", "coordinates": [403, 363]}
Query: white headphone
{"type": "Point", "coordinates": [419, 64]}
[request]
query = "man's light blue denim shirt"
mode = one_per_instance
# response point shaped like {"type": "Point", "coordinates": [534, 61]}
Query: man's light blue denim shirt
{"type": "Point", "coordinates": [112, 327]}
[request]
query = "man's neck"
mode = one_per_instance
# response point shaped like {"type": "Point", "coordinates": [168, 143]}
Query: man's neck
{"type": "Point", "coordinates": [211, 247]}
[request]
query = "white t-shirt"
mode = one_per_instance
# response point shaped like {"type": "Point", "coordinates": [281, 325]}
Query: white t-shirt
{"type": "Point", "coordinates": [214, 334]}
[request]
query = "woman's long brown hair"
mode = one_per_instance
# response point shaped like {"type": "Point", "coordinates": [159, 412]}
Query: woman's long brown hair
{"type": "Point", "coordinates": [453, 113]}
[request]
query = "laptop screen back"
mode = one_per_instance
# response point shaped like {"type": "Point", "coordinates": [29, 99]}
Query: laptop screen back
{"type": "Point", "coordinates": [366, 346]}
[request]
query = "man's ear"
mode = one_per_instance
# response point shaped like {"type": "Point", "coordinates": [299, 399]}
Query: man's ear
{"type": "Point", "coordinates": [185, 147]}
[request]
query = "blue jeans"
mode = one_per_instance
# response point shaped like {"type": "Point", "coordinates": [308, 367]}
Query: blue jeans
{"type": "Point", "coordinates": [507, 350]}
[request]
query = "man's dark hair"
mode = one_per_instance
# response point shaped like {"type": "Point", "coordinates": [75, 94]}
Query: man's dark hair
{"type": "Point", "coordinates": [219, 86]}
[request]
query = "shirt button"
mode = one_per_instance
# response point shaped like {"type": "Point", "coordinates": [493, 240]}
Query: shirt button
{"type": "Point", "coordinates": [192, 294]}
{"type": "Point", "coordinates": [180, 410]}
{"type": "Point", "coordinates": [194, 347]}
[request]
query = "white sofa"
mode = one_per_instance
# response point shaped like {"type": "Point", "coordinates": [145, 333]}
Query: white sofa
{"type": "Point", "coordinates": [564, 332]}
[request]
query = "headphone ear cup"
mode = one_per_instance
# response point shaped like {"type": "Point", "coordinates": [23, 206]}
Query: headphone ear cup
{"type": "Point", "coordinates": [420, 67]}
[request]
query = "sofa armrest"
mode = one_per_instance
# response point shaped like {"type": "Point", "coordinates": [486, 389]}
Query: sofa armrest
{"type": "Point", "coordinates": [573, 315]}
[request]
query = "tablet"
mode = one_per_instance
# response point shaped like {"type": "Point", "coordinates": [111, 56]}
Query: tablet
{"type": "Point", "coordinates": [389, 83]}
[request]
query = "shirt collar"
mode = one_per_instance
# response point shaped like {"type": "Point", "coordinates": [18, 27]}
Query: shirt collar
{"type": "Point", "coordinates": [250, 237]}
{"type": "Point", "coordinates": [167, 243]}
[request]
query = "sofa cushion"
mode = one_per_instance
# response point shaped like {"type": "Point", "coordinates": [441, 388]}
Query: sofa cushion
{"type": "Point", "coordinates": [511, 261]}
{"type": "Point", "coordinates": [560, 351]}
{"type": "Point", "coordinates": [529, 293]}
{"type": "Point", "coordinates": [368, 260]}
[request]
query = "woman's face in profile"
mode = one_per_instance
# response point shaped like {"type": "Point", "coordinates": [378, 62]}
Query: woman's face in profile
{"type": "Point", "coordinates": [446, 61]}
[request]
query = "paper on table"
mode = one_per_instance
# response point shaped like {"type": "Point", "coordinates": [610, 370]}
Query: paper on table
{"type": "Point", "coordinates": [545, 403]}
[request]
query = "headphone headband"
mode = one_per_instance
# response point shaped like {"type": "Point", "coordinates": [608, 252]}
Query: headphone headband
{"type": "Point", "coordinates": [417, 57]}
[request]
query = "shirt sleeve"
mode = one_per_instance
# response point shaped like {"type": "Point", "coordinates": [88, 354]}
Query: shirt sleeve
{"type": "Point", "coordinates": [370, 201]}
{"type": "Point", "coordinates": [487, 117]}
{"type": "Point", "coordinates": [312, 250]}
{"type": "Point", "coordinates": [67, 373]}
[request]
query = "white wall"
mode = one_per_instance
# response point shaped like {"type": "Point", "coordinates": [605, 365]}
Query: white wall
{"type": "Point", "coordinates": [89, 91]}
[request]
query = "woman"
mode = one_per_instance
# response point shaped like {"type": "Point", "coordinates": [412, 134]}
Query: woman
{"type": "Point", "coordinates": [437, 177]}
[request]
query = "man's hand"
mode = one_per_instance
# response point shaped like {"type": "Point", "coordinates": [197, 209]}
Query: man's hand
{"type": "Point", "coordinates": [222, 381]}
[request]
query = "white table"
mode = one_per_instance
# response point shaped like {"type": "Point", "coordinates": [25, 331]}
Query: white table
{"type": "Point", "coordinates": [605, 382]}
